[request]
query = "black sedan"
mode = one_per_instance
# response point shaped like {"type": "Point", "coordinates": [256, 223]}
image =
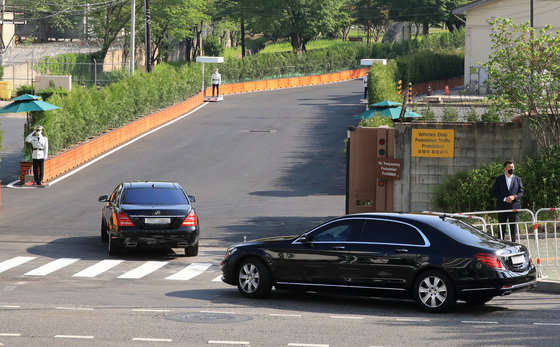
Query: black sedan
{"type": "Point", "coordinates": [149, 214]}
{"type": "Point", "coordinates": [433, 260]}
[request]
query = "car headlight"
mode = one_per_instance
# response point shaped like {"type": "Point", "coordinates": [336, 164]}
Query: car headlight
{"type": "Point", "coordinates": [230, 251]}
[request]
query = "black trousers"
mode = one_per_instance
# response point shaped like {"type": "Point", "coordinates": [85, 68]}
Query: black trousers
{"type": "Point", "coordinates": [38, 169]}
{"type": "Point", "coordinates": [511, 217]}
{"type": "Point", "coordinates": [216, 87]}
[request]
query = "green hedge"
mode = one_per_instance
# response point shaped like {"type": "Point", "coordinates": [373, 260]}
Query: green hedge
{"type": "Point", "coordinates": [469, 191]}
{"type": "Point", "coordinates": [87, 112]}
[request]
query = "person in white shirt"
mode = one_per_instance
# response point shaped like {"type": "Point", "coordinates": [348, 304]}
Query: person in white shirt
{"type": "Point", "coordinates": [216, 81]}
{"type": "Point", "coordinates": [40, 153]}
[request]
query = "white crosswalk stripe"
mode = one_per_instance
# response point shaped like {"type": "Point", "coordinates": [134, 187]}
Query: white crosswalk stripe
{"type": "Point", "coordinates": [52, 267]}
{"type": "Point", "coordinates": [98, 268]}
{"type": "Point", "coordinates": [144, 269]}
{"type": "Point", "coordinates": [14, 262]}
{"type": "Point", "coordinates": [189, 272]}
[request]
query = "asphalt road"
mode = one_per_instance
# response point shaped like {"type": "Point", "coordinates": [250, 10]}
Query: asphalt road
{"type": "Point", "coordinates": [259, 164]}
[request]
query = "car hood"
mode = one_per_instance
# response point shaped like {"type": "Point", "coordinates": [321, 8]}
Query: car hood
{"type": "Point", "coordinates": [268, 240]}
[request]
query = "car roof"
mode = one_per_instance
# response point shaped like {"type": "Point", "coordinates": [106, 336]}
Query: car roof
{"type": "Point", "coordinates": [151, 184]}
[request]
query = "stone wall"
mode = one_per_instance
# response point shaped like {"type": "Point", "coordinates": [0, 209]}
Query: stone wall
{"type": "Point", "coordinates": [475, 144]}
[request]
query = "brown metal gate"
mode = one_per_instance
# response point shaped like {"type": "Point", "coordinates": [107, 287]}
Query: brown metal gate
{"type": "Point", "coordinates": [371, 169]}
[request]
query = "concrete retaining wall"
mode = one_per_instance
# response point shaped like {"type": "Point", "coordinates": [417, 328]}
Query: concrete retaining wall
{"type": "Point", "coordinates": [476, 144]}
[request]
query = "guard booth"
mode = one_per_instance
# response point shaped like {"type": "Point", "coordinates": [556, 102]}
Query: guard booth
{"type": "Point", "coordinates": [371, 170]}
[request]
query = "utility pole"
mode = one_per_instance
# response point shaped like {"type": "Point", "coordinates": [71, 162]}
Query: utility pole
{"type": "Point", "coordinates": [132, 36]}
{"type": "Point", "coordinates": [532, 14]}
{"type": "Point", "coordinates": [147, 36]}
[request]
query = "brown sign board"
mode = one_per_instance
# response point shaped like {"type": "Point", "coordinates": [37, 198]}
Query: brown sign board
{"type": "Point", "coordinates": [389, 168]}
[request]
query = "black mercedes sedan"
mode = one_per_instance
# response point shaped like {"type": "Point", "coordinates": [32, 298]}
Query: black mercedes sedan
{"type": "Point", "coordinates": [434, 260]}
{"type": "Point", "coordinates": [149, 214]}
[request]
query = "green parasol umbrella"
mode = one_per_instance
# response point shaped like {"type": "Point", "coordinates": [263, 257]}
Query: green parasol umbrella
{"type": "Point", "coordinates": [27, 103]}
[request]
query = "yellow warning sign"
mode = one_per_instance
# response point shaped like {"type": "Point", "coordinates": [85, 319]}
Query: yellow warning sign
{"type": "Point", "coordinates": [436, 143]}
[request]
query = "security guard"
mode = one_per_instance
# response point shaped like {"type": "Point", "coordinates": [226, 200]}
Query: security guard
{"type": "Point", "coordinates": [216, 81]}
{"type": "Point", "coordinates": [40, 146]}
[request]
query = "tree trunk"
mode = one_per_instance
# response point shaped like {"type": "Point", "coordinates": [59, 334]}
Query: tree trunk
{"type": "Point", "coordinates": [297, 42]}
{"type": "Point", "coordinates": [242, 38]}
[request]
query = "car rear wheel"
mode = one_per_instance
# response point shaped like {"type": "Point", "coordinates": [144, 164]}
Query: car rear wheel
{"type": "Point", "coordinates": [253, 279]}
{"type": "Point", "coordinates": [191, 251]}
{"type": "Point", "coordinates": [104, 235]}
{"type": "Point", "coordinates": [114, 247]}
{"type": "Point", "coordinates": [434, 292]}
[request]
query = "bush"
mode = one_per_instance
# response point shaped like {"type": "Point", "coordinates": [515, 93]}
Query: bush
{"type": "Point", "coordinates": [24, 89]}
{"type": "Point", "coordinates": [468, 190]}
{"type": "Point", "coordinates": [472, 115]}
{"type": "Point", "coordinates": [471, 190]}
{"type": "Point", "coordinates": [450, 114]}
{"type": "Point", "coordinates": [381, 83]}
{"type": "Point", "coordinates": [377, 121]}
{"type": "Point", "coordinates": [428, 114]}
{"type": "Point", "coordinates": [212, 46]}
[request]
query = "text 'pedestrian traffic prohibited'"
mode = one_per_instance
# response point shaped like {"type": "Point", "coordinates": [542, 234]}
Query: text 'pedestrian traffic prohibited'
{"type": "Point", "coordinates": [435, 143]}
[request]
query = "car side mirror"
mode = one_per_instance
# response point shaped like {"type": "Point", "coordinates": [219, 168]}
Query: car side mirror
{"type": "Point", "coordinates": [192, 198]}
{"type": "Point", "coordinates": [305, 239]}
{"type": "Point", "coordinates": [103, 198]}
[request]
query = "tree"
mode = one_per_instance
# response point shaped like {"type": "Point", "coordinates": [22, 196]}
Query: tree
{"type": "Point", "coordinates": [374, 15]}
{"type": "Point", "coordinates": [61, 16]}
{"type": "Point", "coordinates": [173, 20]}
{"type": "Point", "coordinates": [524, 75]}
{"type": "Point", "coordinates": [109, 20]}
{"type": "Point", "coordinates": [303, 20]}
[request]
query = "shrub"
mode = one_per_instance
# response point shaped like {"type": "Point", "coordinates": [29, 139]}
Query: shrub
{"type": "Point", "coordinates": [24, 89]}
{"type": "Point", "coordinates": [377, 121]}
{"type": "Point", "coordinates": [472, 115]}
{"type": "Point", "coordinates": [381, 83]}
{"type": "Point", "coordinates": [450, 114]}
{"type": "Point", "coordinates": [428, 114]}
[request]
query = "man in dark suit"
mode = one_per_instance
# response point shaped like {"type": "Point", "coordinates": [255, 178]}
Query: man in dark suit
{"type": "Point", "coordinates": [508, 191]}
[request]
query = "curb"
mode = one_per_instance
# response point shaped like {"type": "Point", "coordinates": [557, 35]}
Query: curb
{"type": "Point", "coordinates": [546, 286]}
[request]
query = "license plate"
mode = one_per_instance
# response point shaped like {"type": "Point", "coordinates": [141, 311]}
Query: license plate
{"type": "Point", "coordinates": [157, 220]}
{"type": "Point", "coordinates": [518, 259]}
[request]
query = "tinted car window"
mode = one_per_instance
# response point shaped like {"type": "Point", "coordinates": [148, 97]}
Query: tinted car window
{"type": "Point", "coordinates": [394, 232]}
{"type": "Point", "coordinates": [463, 232]}
{"type": "Point", "coordinates": [155, 196]}
{"type": "Point", "coordinates": [338, 231]}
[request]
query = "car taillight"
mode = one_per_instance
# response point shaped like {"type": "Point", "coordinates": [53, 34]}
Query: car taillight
{"type": "Point", "coordinates": [489, 260]}
{"type": "Point", "coordinates": [190, 220]}
{"type": "Point", "coordinates": [123, 220]}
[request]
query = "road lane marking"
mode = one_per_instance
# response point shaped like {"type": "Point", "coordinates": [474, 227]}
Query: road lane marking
{"type": "Point", "coordinates": [51, 267]}
{"type": "Point", "coordinates": [412, 320]}
{"type": "Point", "coordinates": [11, 263]}
{"type": "Point", "coordinates": [549, 324]}
{"type": "Point", "coordinates": [149, 339]}
{"type": "Point", "coordinates": [149, 310]}
{"type": "Point", "coordinates": [305, 345]}
{"type": "Point", "coordinates": [346, 317]}
{"type": "Point", "coordinates": [9, 335]}
{"type": "Point", "coordinates": [189, 272]}
{"type": "Point", "coordinates": [284, 315]}
{"type": "Point", "coordinates": [74, 308]}
{"type": "Point", "coordinates": [214, 342]}
{"type": "Point", "coordinates": [98, 268]}
{"type": "Point", "coordinates": [9, 306]}
{"type": "Point", "coordinates": [143, 270]}
{"type": "Point", "coordinates": [477, 322]}
{"type": "Point", "coordinates": [217, 279]}
{"type": "Point", "coordinates": [74, 337]}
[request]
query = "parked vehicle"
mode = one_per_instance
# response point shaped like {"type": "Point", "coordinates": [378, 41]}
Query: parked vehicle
{"type": "Point", "coordinates": [433, 260]}
{"type": "Point", "coordinates": [149, 214]}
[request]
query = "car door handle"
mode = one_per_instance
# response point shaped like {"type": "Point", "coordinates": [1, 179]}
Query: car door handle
{"type": "Point", "coordinates": [401, 250]}
{"type": "Point", "coordinates": [338, 248]}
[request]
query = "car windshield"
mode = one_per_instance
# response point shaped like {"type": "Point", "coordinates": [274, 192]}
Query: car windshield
{"type": "Point", "coordinates": [154, 196]}
{"type": "Point", "coordinates": [464, 232]}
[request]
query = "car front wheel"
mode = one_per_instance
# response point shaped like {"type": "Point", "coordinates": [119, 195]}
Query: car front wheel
{"type": "Point", "coordinates": [434, 292]}
{"type": "Point", "coordinates": [253, 279]}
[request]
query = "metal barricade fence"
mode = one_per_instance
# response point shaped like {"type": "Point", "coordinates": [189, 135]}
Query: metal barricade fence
{"type": "Point", "coordinates": [548, 232]}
